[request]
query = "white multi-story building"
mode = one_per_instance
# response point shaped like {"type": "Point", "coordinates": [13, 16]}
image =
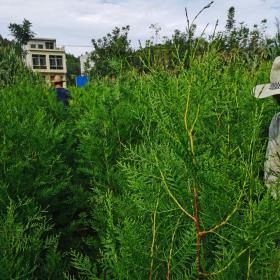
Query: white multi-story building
{"type": "Point", "coordinates": [43, 56]}
{"type": "Point", "coordinates": [85, 62]}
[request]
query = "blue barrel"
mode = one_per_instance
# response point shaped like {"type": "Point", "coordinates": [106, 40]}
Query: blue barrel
{"type": "Point", "coordinates": [81, 81]}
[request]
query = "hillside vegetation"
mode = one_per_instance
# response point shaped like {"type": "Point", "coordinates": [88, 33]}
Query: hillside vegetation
{"type": "Point", "coordinates": [155, 173]}
{"type": "Point", "coordinates": [153, 176]}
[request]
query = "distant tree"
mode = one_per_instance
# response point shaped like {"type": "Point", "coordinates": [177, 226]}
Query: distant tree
{"type": "Point", "coordinates": [156, 32]}
{"type": "Point", "coordinates": [242, 36]}
{"type": "Point", "coordinates": [5, 42]}
{"type": "Point", "coordinates": [111, 52]}
{"type": "Point", "coordinates": [22, 32]}
{"type": "Point", "coordinates": [274, 43]}
{"type": "Point", "coordinates": [230, 19]}
{"type": "Point", "coordinates": [73, 68]}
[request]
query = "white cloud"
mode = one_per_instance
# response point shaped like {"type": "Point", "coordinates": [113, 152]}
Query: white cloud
{"type": "Point", "coordinates": [76, 22]}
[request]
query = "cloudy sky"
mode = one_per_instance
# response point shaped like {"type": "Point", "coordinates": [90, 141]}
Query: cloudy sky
{"type": "Point", "coordinates": [75, 22]}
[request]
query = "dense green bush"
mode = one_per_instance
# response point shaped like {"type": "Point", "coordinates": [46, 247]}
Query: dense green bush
{"type": "Point", "coordinates": [34, 159]}
{"type": "Point", "coordinates": [28, 249]}
{"type": "Point", "coordinates": [216, 145]}
{"type": "Point", "coordinates": [113, 186]}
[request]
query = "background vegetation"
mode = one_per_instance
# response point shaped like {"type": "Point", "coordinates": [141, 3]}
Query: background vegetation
{"type": "Point", "coordinates": [154, 172]}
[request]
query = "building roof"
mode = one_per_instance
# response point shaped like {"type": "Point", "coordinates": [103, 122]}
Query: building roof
{"type": "Point", "coordinates": [42, 39]}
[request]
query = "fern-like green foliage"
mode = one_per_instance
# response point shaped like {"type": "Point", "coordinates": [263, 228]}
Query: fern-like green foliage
{"type": "Point", "coordinates": [26, 251]}
{"type": "Point", "coordinates": [153, 176]}
{"type": "Point", "coordinates": [143, 230]}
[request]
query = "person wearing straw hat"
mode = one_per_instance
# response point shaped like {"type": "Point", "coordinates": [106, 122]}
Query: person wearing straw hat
{"type": "Point", "coordinates": [272, 158]}
{"type": "Point", "coordinates": [62, 94]}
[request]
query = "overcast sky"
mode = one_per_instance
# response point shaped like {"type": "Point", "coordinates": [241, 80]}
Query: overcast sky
{"type": "Point", "coordinates": [76, 22]}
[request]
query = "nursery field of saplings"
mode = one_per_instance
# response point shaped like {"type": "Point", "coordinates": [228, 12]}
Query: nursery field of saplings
{"type": "Point", "coordinates": [156, 176]}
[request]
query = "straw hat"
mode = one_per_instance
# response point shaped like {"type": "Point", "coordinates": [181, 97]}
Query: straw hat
{"type": "Point", "coordinates": [57, 79]}
{"type": "Point", "coordinates": [266, 90]}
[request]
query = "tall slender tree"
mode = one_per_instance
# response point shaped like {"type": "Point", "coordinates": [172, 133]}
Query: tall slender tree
{"type": "Point", "coordinates": [111, 52]}
{"type": "Point", "coordinates": [22, 33]}
{"type": "Point", "coordinates": [230, 19]}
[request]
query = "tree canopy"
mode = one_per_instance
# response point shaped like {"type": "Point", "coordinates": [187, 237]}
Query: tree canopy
{"type": "Point", "coordinates": [110, 52]}
{"type": "Point", "coordinates": [22, 32]}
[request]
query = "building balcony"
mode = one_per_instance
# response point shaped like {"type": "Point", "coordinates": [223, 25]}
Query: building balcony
{"type": "Point", "coordinates": [48, 70]}
{"type": "Point", "coordinates": [55, 49]}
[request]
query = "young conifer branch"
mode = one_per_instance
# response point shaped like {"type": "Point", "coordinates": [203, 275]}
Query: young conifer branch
{"type": "Point", "coordinates": [204, 30]}
{"type": "Point", "coordinates": [189, 25]}
{"type": "Point", "coordinates": [225, 221]}
{"type": "Point", "coordinates": [198, 235]}
{"type": "Point", "coordinates": [210, 274]}
{"type": "Point", "coordinates": [215, 28]}
{"type": "Point", "coordinates": [195, 217]}
{"type": "Point", "coordinates": [188, 20]}
{"type": "Point", "coordinates": [168, 273]}
{"type": "Point", "coordinates": [197, 42]}
{"type": "Point", "coordinates": [174, 198]}
{"type": "Point", "coordinates": [190, 131]}
{"type": "Point", "coordinates": [153, 218]}
{"type": "Point", "coordinates": [204, 8]}
{"type": "Point", "coordinates": [249, 266]}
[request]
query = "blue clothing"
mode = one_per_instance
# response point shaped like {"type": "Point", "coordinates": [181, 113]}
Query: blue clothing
{"type": "Point", "coordinates": [63, 95]}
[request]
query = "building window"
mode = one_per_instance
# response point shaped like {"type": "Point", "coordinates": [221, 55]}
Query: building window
{"type": "Point", "coordinates": [50, 45]}
{"type": "Point", "coordinates": [39, 61]}
{"type": "Point", "coordinates": [40, 46]}
{"type": "Point", "coordinates": [33, 46]}
{"type": "Point", "coordinates": [56, 62]}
